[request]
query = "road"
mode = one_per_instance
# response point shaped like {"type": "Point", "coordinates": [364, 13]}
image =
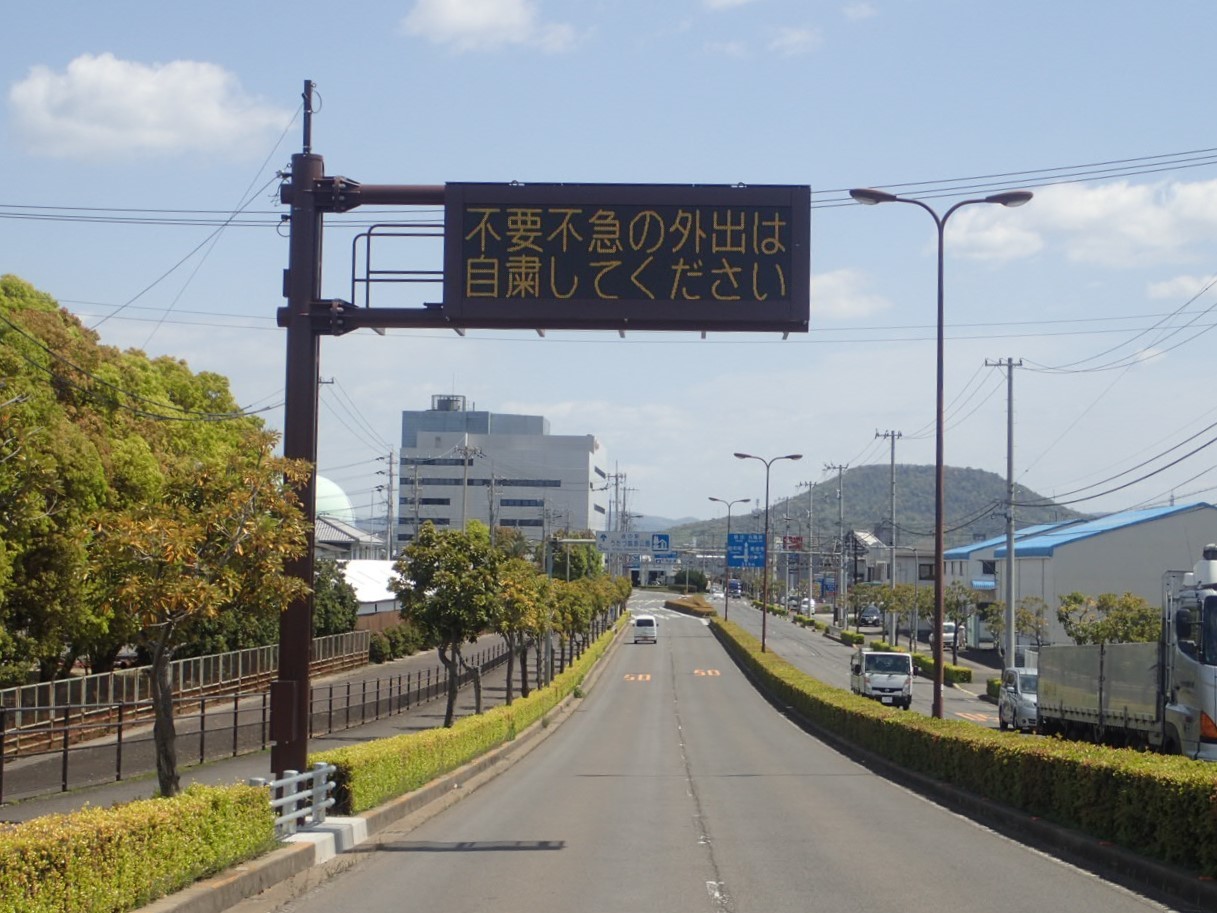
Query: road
{"type": "Point", "coordinates": [828, 660]}
{"type": "Point", "coordinates": [677, 787]}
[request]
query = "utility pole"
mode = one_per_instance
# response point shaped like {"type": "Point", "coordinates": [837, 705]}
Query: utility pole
{"type": "Point", "coordinates": [842, 570]}
{"type": "Point", "coordinates": [891, 566]}
{"type": "Point", "coordinates": [891, 570]}
{"type": "Point", "coordinates": [811, 537]}
{"type": "Point", "coordinates": [467, 454]}
{"type": "Point", "coordinates": [1011, 640]}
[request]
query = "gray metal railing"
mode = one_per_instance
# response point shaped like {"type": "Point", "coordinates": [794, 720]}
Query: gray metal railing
{"type": "Point", "coordinates": [301, 799]}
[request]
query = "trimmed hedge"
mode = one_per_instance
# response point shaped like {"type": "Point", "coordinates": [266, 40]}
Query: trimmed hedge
{"type": "Point", "coordinates": [120, 858]}
{"type": "Point", "coordinates": [1162, 807]}
{"type": "Point", "coordinates": [372, 773]}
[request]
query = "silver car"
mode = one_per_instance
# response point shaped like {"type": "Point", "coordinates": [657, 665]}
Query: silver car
{"type": "Point", "coordinates": [1017, 700]}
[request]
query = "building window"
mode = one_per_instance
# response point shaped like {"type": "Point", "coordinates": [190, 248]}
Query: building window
{"type": "Point", "coordinates": [599, 509]}
{"type": "Point", "coordinates": [510, 522]}
{"type": "Point", "coordinates": [530, 483]}
{"type": "Point", "coordinates": [521, 502]}
{"type": "Point", "coordinates": [925, 571]}
{"type": "Point", "coordinates": [988, 567]}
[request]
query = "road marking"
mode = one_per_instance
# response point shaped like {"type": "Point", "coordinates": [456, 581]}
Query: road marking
{"type": "Point", "coordinates": [638, 676]}
{"type": "Point", "coordinates": [978, 717]}
{"type": "Point", "coordinates": [709, 672]}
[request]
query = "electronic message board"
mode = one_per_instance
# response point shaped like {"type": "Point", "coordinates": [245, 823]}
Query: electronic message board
{"type": "Point", "coordinates": [628, 256]}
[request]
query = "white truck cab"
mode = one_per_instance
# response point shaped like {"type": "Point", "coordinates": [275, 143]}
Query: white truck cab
{"type": "Point", "coordinates": [886, 677]}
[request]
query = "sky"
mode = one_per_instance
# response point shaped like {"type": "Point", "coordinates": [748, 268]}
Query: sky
{"type": "Point", "coordinates": [143, 145]}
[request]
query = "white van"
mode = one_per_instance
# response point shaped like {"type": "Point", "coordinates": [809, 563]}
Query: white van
{"type": "Point", "coordinates": [646, 629]}
{"type": "Point", "coordinates": [886, 677]}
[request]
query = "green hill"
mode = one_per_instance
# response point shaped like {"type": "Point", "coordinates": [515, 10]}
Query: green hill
{"type": "Point", "coordinates": [975, 508]}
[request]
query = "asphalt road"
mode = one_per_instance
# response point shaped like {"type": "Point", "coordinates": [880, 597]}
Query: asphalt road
{"type": "Point", "coordinates": [676, 787]}
{"type": "Point", "coordinates": [828, 660]}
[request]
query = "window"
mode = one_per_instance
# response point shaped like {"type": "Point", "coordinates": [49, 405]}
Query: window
{"type": "Point", "coordinates": [521, 502]}
{"type": "Point", "coordinates": [925, 571]}
{"type": "Point", "coordinates": [988, 567]}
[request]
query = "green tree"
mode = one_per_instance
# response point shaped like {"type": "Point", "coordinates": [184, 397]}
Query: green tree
{"type": "Point", "coordinates": [958, 604]}
{"type": "Point", "coordinates": [446, 583]}
{"type": "Point", "coordinates": [516, 615]}
{"type": "Point", "coordinates": [572, 560]}
{"type": "Point", "coordinates": [335, 605]}
{"type": "Point", "coordinates": [1109, 618]}
{"type": "Point", "coordinates": [216, 540]}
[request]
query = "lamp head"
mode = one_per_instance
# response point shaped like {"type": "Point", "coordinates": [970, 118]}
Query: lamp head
{"type": "Point", "coordinates": [746, 456]}
{"type": "Point", "coordinates": [871, 197]}
{"type": "Point", "coordinates": [1011, 198]}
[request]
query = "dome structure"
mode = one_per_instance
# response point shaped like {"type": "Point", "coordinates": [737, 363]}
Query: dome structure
{"type": "Point", "coordinates": [332, 501]}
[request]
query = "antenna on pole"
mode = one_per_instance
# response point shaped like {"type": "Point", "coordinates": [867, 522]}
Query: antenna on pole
{"type": "Point", "coordinates": [309, 85]}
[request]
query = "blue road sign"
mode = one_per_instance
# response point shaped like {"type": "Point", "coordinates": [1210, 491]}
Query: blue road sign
{"type": "Point", "coordinates": [661, 542]}
{"type": "Point", "coordinates": [746, 550]}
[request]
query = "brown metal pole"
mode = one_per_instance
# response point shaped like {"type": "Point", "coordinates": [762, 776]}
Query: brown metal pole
{"type": "Point", "coordinates": [290, 698]}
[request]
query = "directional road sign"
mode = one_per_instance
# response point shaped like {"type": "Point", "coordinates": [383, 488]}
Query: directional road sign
{"type": "Point", "coordinates": [746, 550]}
{"type": "Point", "coordinates": [632, 542]}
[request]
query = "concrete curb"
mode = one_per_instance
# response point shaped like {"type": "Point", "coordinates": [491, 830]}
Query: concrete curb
{"type": "Point", "coordinates": [310, 857]}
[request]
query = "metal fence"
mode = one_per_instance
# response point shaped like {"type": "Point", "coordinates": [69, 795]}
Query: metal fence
{"type": "Point", "coordinates": [29, 707]}
{"type": "Point", "coordinates": [87, 745]}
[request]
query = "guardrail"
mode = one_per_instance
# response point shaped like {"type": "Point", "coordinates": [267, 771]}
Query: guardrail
{"type": "Point", "coordinates": [90, 745]}
{"type": "Point", "coordinates": [306, 796]}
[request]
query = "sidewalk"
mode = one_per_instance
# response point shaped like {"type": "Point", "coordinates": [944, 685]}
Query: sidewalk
{"type": "Point", "coordinates": [257, 764]}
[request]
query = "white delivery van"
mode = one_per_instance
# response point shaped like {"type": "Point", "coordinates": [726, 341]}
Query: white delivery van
{"type": "Point", "coordinates": [886, 677]}
{"type": "Point", "coordinates": [646, 629]}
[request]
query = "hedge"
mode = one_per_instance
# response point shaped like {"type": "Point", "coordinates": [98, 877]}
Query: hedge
{"type": "Point", "coordinates": [1161, 807]}
{"type": "Point", "coordinates": [113, 859]}
{"type": "Point", "coordinates": [371, 773]}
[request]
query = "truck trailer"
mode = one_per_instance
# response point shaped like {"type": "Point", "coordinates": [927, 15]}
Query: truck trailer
{"type": "Point", "coordinates": [1160, 695]}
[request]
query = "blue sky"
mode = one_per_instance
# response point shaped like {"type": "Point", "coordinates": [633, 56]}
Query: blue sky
{"type": "Point", "coordinates": [131, 132]}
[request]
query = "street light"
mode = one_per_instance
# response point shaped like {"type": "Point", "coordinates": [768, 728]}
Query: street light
{"type": "Point", "coordinates": [726, 553]}
{"type": "Point", "coordinates": [872, 197]}
{"type": "Point", "coordinates": [765, 580]}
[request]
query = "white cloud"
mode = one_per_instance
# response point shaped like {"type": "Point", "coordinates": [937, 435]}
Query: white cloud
{"type": "Point", "coordinates": [1123, 224]}
{"type": "Point", "coordinates": [474, 25]}
{"type": "Point", "coordinates": [103, 106]}
{"type": "Point", "coordinates": [991, 233]}
{"type": "Point", "coordinates": [1181, 288]}
{"type": "Point", "coordinates": [725, 4]}
{"type": "Point", "coordinates": [791, 41]}
{"type": "Point", "coordinates": [860, 10]}
{"type": "Point", "coordinates": [842, 295]}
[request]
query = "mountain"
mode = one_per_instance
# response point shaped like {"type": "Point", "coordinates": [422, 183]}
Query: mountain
{"type": "Point", "coordinates": [974, 508]}
{"type": "Point", "coordinates": [660, 524]}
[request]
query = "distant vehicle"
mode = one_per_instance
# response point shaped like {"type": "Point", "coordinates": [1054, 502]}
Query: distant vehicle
{"type": "Point", "coordinates": [950, 634]}
{"type": "Point", "coordinates": [646, 629]}
{"type": "Point", "coordinates": [1016, 701]}
{"type": "Point", "coordinates": [734, 588]}
{"type": "Point", "coordinates": [870, 616]}
{"type": "Point", "coordinates": [807, 606]}
{"type": "Point", "coordinates": [886, 677]}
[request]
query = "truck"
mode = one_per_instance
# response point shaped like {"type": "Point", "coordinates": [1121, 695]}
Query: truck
{"type": "Point", "coordinates": [1162, 695]}
{"type": "Point", "coordinates": [885, 677]}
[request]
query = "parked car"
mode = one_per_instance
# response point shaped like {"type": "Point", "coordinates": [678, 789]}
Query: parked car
{"type": "Point", "coordinates": [949, 636]}
{"type": "Point", "coordinates": [870, 616]}
{"type": "Point", "coordinates": [1017, 700]}
{"type": "Point", "coordinates": [808, 606]}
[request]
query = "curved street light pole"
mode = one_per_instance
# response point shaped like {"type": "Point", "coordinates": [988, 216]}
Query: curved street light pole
{"type": "Point", "coordinates": [726, 566]}
{"type": "Point", "coordinates": [871, 197]}
{"type": "Point", "coordinates": [765, 578]}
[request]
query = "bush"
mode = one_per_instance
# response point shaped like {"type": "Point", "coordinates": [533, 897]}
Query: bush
{"type": "Point", "coordinates": [123, 857]}
{"type": "Point", "coordinates": [379, 649]}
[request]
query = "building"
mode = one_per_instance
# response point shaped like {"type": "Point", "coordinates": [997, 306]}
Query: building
{"type": "Point", "coordinates": [504, 470]}
{"type": "Point", "coordinates": [335, 533]}
{"type": "Point", "coordinates": [1128, 552]}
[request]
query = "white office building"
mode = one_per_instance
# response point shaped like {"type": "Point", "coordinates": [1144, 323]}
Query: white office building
{"type": "Point", "coordinates": [460, 464]}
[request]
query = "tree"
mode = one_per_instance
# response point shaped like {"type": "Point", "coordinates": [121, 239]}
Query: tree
{"type": "Point", "coordinates": [335, 605]}
{"type": "Point", "coordinates": [446, 583]}
{"type": "Point", "coordinates": [216, 540]}
{"type": "Point", "coordinates": [517, 614]}
{"type": "Point", "coordinates": [959, 602]}
{"type": "Point", "coordinates": [1031, 618]}
{"type": "Point", "coordinates": [572, 560]}
{"type": "Point", "coordinates": [1109, 618]}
